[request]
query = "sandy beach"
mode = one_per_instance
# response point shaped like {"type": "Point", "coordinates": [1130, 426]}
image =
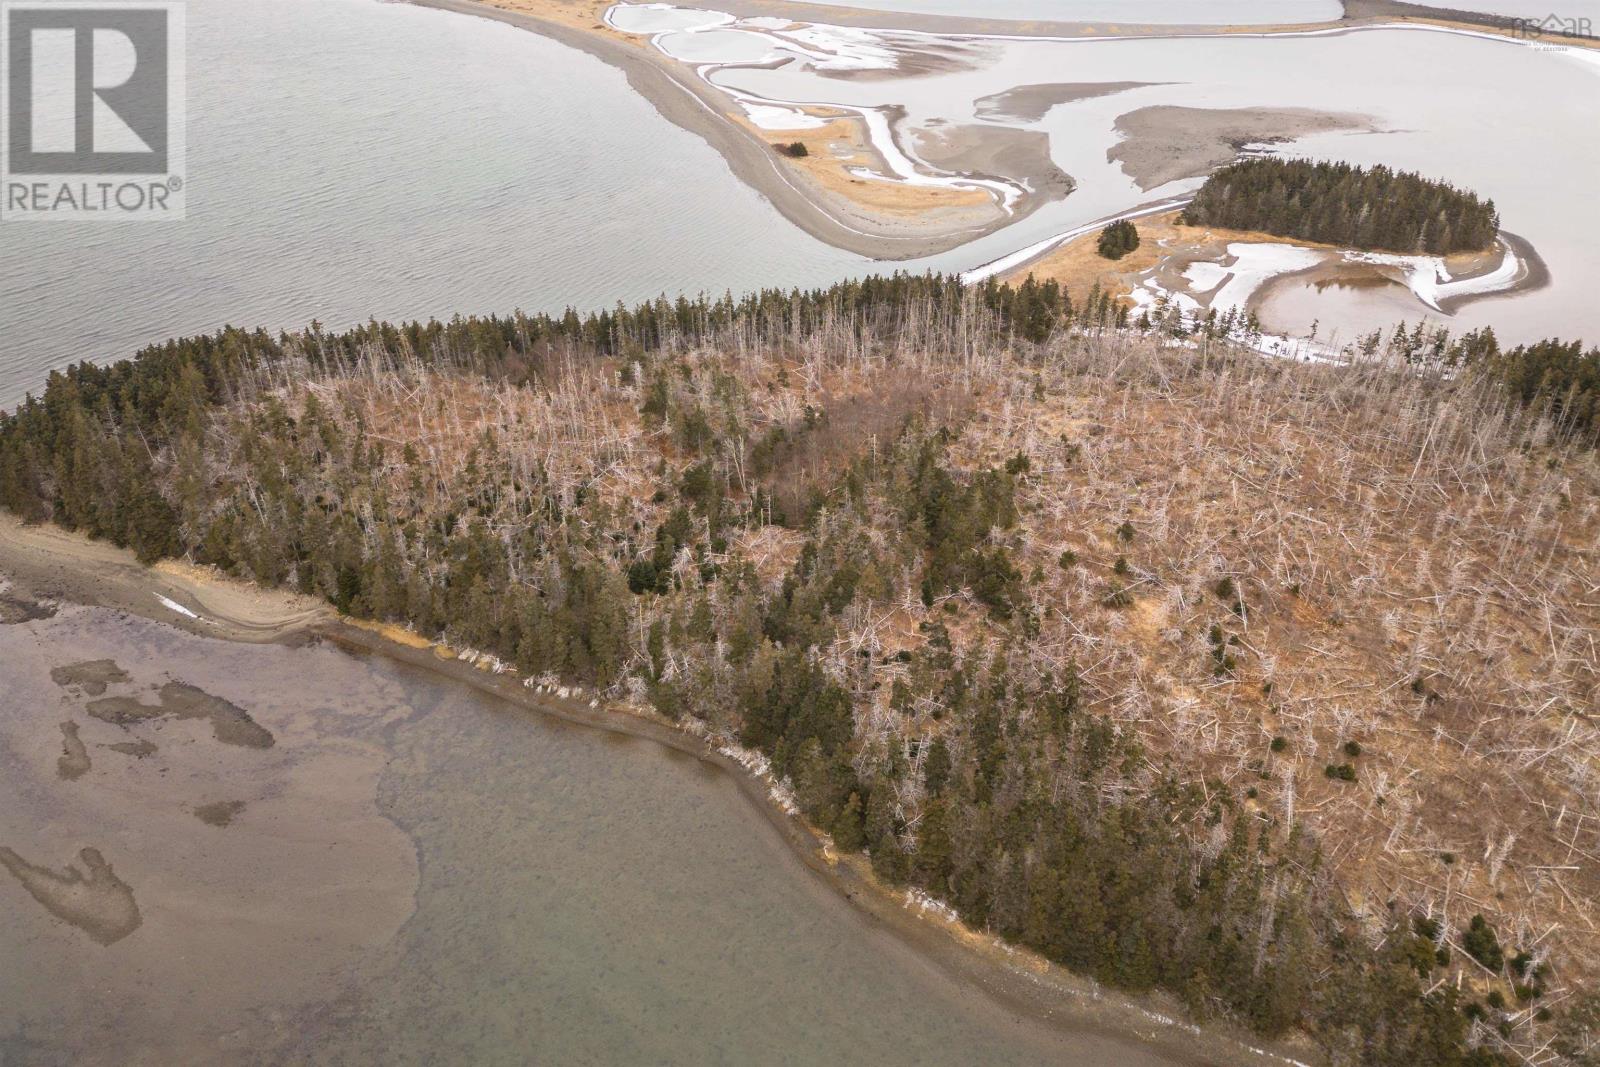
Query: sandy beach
{"type": "Point", "coordinates": [55, 564]}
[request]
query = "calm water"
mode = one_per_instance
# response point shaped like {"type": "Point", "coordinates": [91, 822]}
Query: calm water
{"type": "Point", "coordinates": [1166, 12]}
{"type": "Point", "coordinates": [1204, 12]}
{"type": "Point", "coordinates": [526, 891]}
{"type": "Point", "coordinates": [350, 159]}
{"type": "Point", "coordinates": [1355, 310]}
{"type": "Point", "coordinates": [1508, 121]}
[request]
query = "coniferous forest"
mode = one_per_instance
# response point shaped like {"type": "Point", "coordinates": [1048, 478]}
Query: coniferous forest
{"type": "Point", "coordinates": [1375, 209]}
{"type": "Point", "coordinates": [829, 526]}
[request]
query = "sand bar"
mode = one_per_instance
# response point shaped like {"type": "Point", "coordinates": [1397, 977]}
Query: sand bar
{"type": "Point", "coordinates": [687, 101]}
{"type": "Point", "coordinates": [1169, 143]}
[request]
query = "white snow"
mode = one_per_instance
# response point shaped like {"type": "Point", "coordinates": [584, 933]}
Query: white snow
{"type": "Point", "coordinates": [1255, 264]}
{"type": "Point", "coordinates": [1507, 274]}
{"type": "Point", "coordinates": [838, 47]}
{"type": "Point", "coordinates": [902, 168]}
{"type": "Point", "coordinates": [646, 19]}
{"type": "Point", "coordinates": [1429, 279]}
{"type": "Point", "coordinates": [1205, 275]}
{"type": "Point", "coordinates": [773, 117]}
{"type": "Point", "coordinates": [173, 605]}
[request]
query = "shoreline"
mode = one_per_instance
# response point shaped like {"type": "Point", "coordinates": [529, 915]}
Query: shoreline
{"type": "Point", "coordinates": [1535, 275]}
{"type": "Point", "coordinates": [1532, 274]}
{"type": "Point", "coordinates": [872, 231]}
{"type": "Point", "coordinates": [1356, 13]}
{"type": "Point", "coordinates": [46, 562]}
{"type": "Point", "coordinates": [1064, 262]}
{"type": "Point", "coordinates": [689, 104]}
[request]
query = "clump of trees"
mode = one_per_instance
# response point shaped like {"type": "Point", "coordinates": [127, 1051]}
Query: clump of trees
{"type": "Point", "coordinates": [794, 149]}
{"type": "Point", "coordinates": [1341, 204]}
{"type": "Point", "coordinates": [1118, 239]}
{"type": "Point", "coordinates": [1557, 376]}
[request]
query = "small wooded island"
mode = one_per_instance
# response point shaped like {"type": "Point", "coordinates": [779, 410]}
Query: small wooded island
{"type": "Point", "coordinates": [1376, 209]}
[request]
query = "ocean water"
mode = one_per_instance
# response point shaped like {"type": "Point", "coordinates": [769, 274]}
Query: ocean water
{"type": "Point", "coordinates": [1132, 12]}
{"type": "Point", "coordinates": [419, 874]}
{"type": "Point", "coordinates": [1506, 120]}
{"type": "Point", "coordinates": [351, 159]}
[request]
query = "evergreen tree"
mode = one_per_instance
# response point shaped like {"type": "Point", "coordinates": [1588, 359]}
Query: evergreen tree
{"type": "Point", "coordinates": [1118, 239]}
{"type": "Point", "coordinates": [1341, 204]}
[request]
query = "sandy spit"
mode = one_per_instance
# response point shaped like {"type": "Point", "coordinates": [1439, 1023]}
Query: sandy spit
{"type": "Point", "coordinates": [1536, 275]}
{"type": "Point", "coordinates": [690, 104]}
{"type": "Point", "coordinates": [45, 562]}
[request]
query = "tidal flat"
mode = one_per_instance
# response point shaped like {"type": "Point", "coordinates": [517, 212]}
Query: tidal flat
{"type": "Point", "coordinates": [416, 866]}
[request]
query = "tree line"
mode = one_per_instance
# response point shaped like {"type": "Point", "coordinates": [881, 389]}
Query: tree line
{"type": "Point", "coordinates": [1345, 205]}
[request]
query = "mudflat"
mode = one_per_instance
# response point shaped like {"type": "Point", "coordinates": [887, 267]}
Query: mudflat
{"type": "Point", "coordinates": [196, 850]}
{"type": "Point", "coordinates": [266, 880]}
{"type": "Point", "coordinates": [1168, 143]}
{"type": "Point", "coordinates": [1028, 103]}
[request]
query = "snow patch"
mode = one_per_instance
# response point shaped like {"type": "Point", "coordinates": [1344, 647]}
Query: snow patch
{"type": "Point", "coordinates": [775, 117]}
{"type": "Point", "coordinates": [1256, 264]}
{"type": "Point", "coordinates": [1429, 279]}
{"type": "Point", "coordinates": [173, 605]}
{"type": "Point", "coordinates": [645, 19]}
{"type": "Point", "coordinates": [926, 903]}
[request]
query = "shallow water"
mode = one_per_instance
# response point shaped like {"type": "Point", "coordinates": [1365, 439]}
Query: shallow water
{"type": "Point", "coordinates": [1451, 106]}
{"type": "Point", "coordinates": [1204, 12]}
{"type": "Point", "coordinates": [420, 874]}
{"type": "Point", "coordinates": [1343, 312]}
{"type": "Point", "coordinates": [352, 159]}
{"type": "Point", "coordinates": [1133, 12]}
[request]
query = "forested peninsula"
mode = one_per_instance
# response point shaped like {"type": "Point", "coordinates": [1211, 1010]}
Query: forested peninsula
{"type": "Point", "coordinates": [1376, 209]}
{"type": "Point", "coordinates": [1154, 656]}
